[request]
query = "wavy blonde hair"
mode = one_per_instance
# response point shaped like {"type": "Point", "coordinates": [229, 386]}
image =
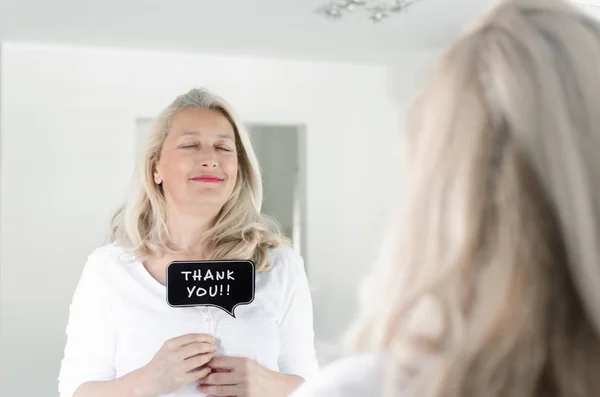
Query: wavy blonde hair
{"type": "Point", "coordinates": [239, 231]}
{"type": "Point", "coordinates": [489, 284]}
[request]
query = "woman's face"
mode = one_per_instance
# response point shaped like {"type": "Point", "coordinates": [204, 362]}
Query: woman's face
{"type": "Point", "coordinates": [199, 162]}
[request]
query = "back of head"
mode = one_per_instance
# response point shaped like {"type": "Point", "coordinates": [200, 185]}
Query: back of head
{"type": "Point", "coordinates": [492, 275]}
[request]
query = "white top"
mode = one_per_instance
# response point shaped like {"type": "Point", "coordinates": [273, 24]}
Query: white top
{"type": "Point", "coordinates": [355, 376]}
{"type": "Point", "coordinates": [119, 319]}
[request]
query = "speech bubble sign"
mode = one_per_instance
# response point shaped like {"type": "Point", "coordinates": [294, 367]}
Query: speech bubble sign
{"type": "Point", "coordinates": [225, 284]}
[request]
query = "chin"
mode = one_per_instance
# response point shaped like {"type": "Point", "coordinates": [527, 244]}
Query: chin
{"type": "Point", "coordinates": [216, 203]}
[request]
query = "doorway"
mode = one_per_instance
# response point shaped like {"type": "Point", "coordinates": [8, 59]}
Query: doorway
{"type": "Point", "coordinates": [281, 154]}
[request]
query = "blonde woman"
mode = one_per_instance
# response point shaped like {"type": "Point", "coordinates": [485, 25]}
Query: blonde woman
{"type": "Point", "coordinates": [197, 196]}
{"type": "Point", "coordinates": [490, 283]}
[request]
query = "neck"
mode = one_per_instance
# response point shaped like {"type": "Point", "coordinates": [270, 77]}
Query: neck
{"type": "Point", "coordinates": [186, 230]}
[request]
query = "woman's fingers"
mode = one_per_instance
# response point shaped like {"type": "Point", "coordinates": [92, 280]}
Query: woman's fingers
{"type": "Point", "coordinates": [231, 363]}
{"type": "Point", "coordinates": [196, 362]}
{"type": "Point", "coordinates": [194, 348]}
{"type": "Point", "coordinates": [179, 341]}
{"type": "Point", "coordinates": [189, 338]}
{"type": "Point", "coordinates": [196, 376]}
{"type": "Point", "coordinates": [220, 391]}
{"type": "Point", "coordinates": [223, 378]}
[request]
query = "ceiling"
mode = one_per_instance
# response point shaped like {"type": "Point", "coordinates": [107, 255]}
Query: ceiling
{"type": "Point", "coordinates": [281, 28]}
{"type": "Point", "coordinates": [271, 28]}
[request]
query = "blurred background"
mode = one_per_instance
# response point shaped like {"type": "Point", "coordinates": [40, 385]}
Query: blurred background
{"type": "Point", "coordinates": [323, 95]}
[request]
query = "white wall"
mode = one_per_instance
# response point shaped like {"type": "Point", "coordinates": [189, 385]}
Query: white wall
{"type": "Point", "coordinates": [67, 131]}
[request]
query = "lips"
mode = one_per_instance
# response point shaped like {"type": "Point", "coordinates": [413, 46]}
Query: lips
{"type": "Point", "coordinates": [207, 178]}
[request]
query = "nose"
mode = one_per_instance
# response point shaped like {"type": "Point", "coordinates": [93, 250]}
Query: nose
{"type": "Point", "coordinates": [208, 159]}
{"type": "Point", "coordinates": [209, 163]}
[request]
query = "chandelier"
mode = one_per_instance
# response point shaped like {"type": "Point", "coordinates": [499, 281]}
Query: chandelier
{"type": "Point", "coordinates": [377, 10]}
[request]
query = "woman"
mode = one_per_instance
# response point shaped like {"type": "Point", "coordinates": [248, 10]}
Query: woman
{"type": "Point", "coordinates": [490, 285]}
{"type": "Point", "coordinates": [198, 196]}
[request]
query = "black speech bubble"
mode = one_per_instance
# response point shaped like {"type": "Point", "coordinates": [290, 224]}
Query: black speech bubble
{"type": "Point", "coordinates": [221, 283]}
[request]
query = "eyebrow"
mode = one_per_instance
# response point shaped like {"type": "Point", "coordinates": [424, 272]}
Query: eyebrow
{"type": "Point", "coordinates": [196, 133]}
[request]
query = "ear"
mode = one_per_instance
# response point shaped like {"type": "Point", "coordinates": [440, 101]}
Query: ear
{"type": "Point", "coordinates": [156, 174]}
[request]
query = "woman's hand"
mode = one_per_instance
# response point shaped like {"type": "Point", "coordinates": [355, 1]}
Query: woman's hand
{"type": "Point", "coordinates": [179, 361]}
{"type": "Point", "coordinates": [242, 377]}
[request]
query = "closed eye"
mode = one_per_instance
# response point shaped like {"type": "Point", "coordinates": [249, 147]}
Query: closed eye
{"type": "Point", "coordinates": [223, 148]}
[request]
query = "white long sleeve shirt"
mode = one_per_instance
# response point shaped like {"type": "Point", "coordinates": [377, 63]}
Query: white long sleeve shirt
{"type": "Point", "coordinates": [119, 319]}
{"type": "Point", "coordinates": [354, 376]}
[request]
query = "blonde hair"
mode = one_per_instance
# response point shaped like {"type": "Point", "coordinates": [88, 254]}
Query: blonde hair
{"type": "Point", "coordinates": [239, 231]}
{"type": "Point", "coordinates": [490, 282]}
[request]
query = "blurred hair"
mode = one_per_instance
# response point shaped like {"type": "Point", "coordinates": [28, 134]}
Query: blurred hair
{"type": "Point", "coordinates": [491, 277]}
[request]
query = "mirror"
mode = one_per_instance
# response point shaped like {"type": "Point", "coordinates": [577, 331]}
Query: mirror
{"type": "Point", "coordinates": [323, 101]}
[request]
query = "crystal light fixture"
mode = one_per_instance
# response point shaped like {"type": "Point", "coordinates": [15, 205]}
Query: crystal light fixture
{"type": "Point", "coordinates": [376, 10]}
